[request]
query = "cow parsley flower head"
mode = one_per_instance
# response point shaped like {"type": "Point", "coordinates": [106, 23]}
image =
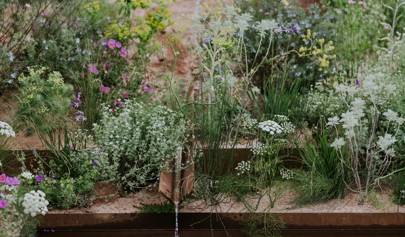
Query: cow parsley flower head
{"type": "Point", "coordinates": [35, 203]}
{"type": "Point", "coordinates": [338, 143]}
{"type": "Point", "coordinates": [384, 142]}
{"type": "Point", "coordinates": [6, 130]}
{"type": "Point", "coordinates": [271, 127]}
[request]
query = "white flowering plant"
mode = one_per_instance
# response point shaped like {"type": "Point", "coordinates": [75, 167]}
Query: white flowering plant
{"type": "Point", "coordinates": [139, 139]}
{"type": "Point", "coordinates": [266, 164]}
{"type": "Point", "coordinates": [21, 202]}
{"type": "Point", "coordinates": [366, 134]}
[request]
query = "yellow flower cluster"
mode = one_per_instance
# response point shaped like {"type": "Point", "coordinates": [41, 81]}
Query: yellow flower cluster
{"type": "Point", "coordinates": [158, 18]}
{"type": "Point", "coordinates": [92, 6]}
{"type": "Point", "coordinates": [121, 32]}
{"type": "Point", "coordinates": [141, 3]}
{"type": "Point", "coordinates": [323, 52]}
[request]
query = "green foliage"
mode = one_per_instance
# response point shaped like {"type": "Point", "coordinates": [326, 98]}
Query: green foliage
{"type": "Point", "coordinates": [267, 224]}
{"type": "Point", "coordinates": [398, 185]}
{"type": "Point", "coordinates": [139, 139]}
{"type": "Point", "coordinates": [72, 185]}
{"type": "Point", "coordinates": [43, 105]}
{"type": "Point", "coordinates": [323, 178]}
{"type": "Point", "coordinates": [60, 193]}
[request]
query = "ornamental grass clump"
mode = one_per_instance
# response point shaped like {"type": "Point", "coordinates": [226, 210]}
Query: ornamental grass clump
{"type": "Point", "coordinates": [139, 140]}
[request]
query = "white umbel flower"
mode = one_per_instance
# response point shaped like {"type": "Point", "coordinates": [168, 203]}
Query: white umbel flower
{"type": "Point", "coordinates": [6, 130]}
{"type": "Point", "coordinates": [35, 203]}
{"type": "Point", "coordinates": [271, 127]}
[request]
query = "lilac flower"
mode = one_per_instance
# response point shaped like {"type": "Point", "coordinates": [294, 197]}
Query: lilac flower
{"type": "Point", "coordinates": [76, 101]}
{"type": "Point", "coordinates": [147, 89]}
{"type": "Point", "coordinates": [3, 203]}
{"type": "Point", "coordinates": [39, 178]}
{"type": "Point", "coordinates": [118, 44]}
{"type": "Point", "coordinates": [111, 43]}
{"type": "Point", "coordinates": [79, 116]}
{"type": "Point", "coordinates": [123, 53]}
{"type": "Point", "coordinates": [104, 89]}
{"type": "Point", "coordinates": [12, 181]}
{"type": "Point", "coordinates": [93, 69]}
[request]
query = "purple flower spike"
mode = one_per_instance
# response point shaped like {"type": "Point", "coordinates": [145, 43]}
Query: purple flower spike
{"type": "Point", "coordinates": [76, 101]}
{"type": "Point", "coordinates": [93, 69]}
{"type": "Point", "coordinates": [104, 89]}
{"type": "Point", "coordinates": [357, 83]}
{"type": "Point", "coordinates": [123, 53]}
{"type": "Point", "coordinates": [3, 203]}
{"type": "Point", "coordinates": [39, 178]}
{"type": "Point", "coordinates": [12, 181]}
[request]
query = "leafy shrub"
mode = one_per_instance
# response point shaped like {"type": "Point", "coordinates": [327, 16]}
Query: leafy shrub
{"type": "Point", "coordinates": [43, 105]}
{"type": "Point", "coordinates": [139, 140]}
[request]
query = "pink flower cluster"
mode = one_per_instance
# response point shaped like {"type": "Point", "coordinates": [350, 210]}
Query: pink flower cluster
{"type": "Point", "coordinates": [115, 44]}
{"type": "Point", "coordinates": [8, 180]}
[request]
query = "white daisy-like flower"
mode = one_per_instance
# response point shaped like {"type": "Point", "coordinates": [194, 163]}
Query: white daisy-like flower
{"type": "Point", "coordinates": [338, 143]}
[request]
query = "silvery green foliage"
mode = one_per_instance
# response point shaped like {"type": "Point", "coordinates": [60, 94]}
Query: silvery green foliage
{"type": "Point", "coordinates": [139, 140]}
{"type": "Point", "coordinates": [6, 130]}
{"type": "Point", "coordinates": [366, 132]}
